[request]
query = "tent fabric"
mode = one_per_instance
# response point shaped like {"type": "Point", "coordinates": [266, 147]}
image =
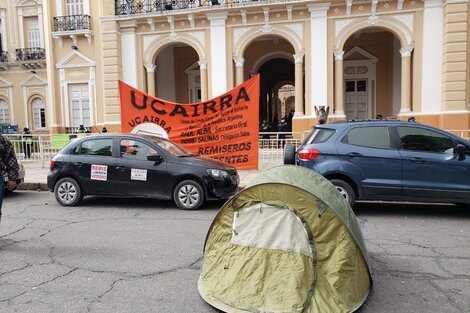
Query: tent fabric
{"type": "Point", "coordinates": [289, 242]}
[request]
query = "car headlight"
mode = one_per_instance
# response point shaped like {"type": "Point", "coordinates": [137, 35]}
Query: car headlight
{"type": "Point", "coordinates": [218, 173]}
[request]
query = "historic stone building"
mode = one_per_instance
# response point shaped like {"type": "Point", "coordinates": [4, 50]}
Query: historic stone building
{"type": "Point", "coordinates": [61, 59]}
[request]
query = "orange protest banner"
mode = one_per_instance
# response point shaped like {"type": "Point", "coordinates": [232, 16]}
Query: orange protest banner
{"type": "Point", "coordinates": [224, 128]}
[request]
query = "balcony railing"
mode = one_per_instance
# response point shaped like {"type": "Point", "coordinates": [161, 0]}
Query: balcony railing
{"type": "Point", "coordinates": [71, 23]}
{"type": "Point", "coordinates": [30, 54]}
{"type": "Point", "coordinates": [127, 7]}
{"type": "Point", "coordinates": [3, 56]}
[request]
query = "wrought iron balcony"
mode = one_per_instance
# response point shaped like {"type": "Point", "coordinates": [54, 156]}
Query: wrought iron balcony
{"type": "Point", "coordinates": [3, 56]}
{"type": "Point", "coordinates": [127, 7]}
{"type": "Point", "coordinates": [30, 54]}
{"type": "Point", "coordinates": [71, 23]}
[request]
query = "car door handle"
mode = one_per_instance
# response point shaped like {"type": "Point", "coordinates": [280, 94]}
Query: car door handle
{"type": "Point", "coordinates": [78, 164]}
{"type": "Point", "coordinates": [417, 160]}
{"type": "Point", "coordinates": [354, 154]}
{"type": "Point", "coordinates": [121, 168]}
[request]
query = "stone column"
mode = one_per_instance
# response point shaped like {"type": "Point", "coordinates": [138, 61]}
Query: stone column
{"type": "Point", "coordinates": [339, 84]}
{"type": "Point", "coordinates": [239, 70]}
{"type": "Point", "coordinates": [405, 80]}
{"type": "Point", "coordinates": [129, 53]}
{"type": "Point", "coordinates": [433, 29]}
{"type": "Point", "coordinates": [203, 69]}
{"type": "Point", "coordinates": [218, 48]}
{"type": "Point", "coordinates": [318, 55]}
{"type": "Point", "coordinates": [151, 69]}
{"type": "Point", "coordinates": [299, 84]}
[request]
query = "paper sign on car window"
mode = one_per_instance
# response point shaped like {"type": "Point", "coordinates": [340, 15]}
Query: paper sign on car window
{"type": "Point", "coordinates": [138, 174]}
{"type": "Point", "coordinates": [99, 172]}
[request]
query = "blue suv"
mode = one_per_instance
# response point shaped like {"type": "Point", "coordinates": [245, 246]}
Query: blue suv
{"type": "Point", "coordinates": [387, 160]}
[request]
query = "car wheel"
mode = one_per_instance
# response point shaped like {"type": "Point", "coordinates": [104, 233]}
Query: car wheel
{"type": "Point", "coordinates": [289, 154]}
{"type": "Point", "coordinates": [188, 195]}
{"type": "Point", "coordinates": [68, 192]}
{"type": "Point", "coordinates": [345, 190]}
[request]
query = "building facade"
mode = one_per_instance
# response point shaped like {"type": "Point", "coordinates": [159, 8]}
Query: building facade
{"type": "Point", "coordinates": [61, 60]}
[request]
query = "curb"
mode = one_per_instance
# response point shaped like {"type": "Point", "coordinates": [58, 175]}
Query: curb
{"type": "Point", "coordinates": [33, 186]}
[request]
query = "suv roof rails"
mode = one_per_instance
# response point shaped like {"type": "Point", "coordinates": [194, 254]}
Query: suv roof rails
{"type": "Point", "coordinates": [411, 120]}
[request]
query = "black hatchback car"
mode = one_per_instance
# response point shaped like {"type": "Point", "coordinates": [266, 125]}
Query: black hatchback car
{"type": "Point", "coordinates": [121, 165]}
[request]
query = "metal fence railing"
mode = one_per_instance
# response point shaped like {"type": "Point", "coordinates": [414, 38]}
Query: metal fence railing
{"type": "Point", "coordinates": [36, 148]}
{"type": "Point", "coordinates": [271, 145]}
{"type": "Point", "coordinates": [464, 133]}
{"type": "Point", "coordinates": [39, 148]}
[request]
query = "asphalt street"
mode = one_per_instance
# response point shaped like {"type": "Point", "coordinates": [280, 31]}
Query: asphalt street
{"type": "Point", "coordinates": [111, 255]}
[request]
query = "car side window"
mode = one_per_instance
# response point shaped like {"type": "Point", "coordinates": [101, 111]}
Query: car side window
{"type": "Point", "coordinates": [420, 139]}
{"type": "Point", "coordinates": [95, 147]}
{"type": "Point", "coordinates": [135, 150]}
{"type": "Point", "coordinates": [371, 137]}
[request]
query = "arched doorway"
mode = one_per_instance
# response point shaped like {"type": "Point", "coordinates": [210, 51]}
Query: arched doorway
{"type": "Point", "coordinates": [274, 74]}
{"type": "Point", "coordinates": [176, 72]}
{"type": "Point", "coordinates": [373, 74]}
{"type": "Point", "coordinates": [273, 58]}
{"type": "Point", "coordinates": [389, 49]}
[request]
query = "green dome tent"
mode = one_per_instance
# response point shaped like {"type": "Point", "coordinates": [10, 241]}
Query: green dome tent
{"type": "Point", "coordinates": [289, 242]}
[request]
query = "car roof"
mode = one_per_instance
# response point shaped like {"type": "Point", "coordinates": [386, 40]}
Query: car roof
{"type": "Point", "coordinates": [136, 136]}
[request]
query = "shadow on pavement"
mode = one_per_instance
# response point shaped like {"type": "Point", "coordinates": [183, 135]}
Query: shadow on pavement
{"type": "Point", "coordinates": [136, 203]}
{"type": "Point", "coordinates": [418, 209]}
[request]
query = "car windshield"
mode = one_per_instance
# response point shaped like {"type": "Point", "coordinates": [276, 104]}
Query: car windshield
{"type": "Point", "coordinates": [173, 148]}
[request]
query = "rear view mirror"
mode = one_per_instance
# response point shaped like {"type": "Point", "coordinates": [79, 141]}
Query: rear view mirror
{"type": "Point", "coordinates": [155, 158]}
{"type": "Point", "coordinates": [461, 151]}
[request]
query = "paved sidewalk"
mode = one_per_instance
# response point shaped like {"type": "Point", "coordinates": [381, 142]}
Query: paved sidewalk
{"type": "Point", "coordinates": [36, 175]}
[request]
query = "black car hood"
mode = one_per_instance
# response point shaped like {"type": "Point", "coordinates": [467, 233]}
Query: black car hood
{"type": "Point", "coordinates": [204, 162]}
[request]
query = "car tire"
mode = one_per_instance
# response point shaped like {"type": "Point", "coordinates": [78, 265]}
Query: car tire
{"type": "Point", "coordinates": [289, 154]}
{"type": "Point", "coordinates": [188, 195]}
{"type": "Point", "coordinates": [68, 192]}
{"type": "Point", "coordinates": [345, 190]}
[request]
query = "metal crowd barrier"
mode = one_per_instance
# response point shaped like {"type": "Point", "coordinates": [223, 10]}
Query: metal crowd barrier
{"type": "Point", "coordinates": [36, 148]}
{"type": "Point", "coordinates": [464, 133]}
{"type": "Point", "coordinates": [270, 145]}
{"type": "Point", "coordinates": [39, 148]}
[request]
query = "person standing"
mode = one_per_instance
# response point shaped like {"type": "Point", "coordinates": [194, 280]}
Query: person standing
{"type": "Point", "coordinates": [282, 128]}
{"type": "Point", "coordinates": [27, 141]}
{"type": "Point", "coordinates": [8, 168]}
{"type": "Point", "coordinates": [265, 128]}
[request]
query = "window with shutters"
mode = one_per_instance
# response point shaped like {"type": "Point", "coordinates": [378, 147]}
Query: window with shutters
{"type": "Point", "coordinates": [39, 114]}
{"type": "Point", "coordinates": [4, 112]}
{"type": "Point", "coordinates": [80, 105]}
{"type": "Point", "coordinates": [32, 32]}
{"type": "Point", "coordinates": [74, 7]}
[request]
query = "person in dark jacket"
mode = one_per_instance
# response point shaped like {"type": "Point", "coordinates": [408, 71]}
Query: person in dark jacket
{"type": "Point", "coordinates": [282, 127]}
{"type": "Point", "coordinates": [264, 128]}
{"type": "Point", "coordinates": [27, 142]}
{"type": "Point", "coordinates": [9, 168]}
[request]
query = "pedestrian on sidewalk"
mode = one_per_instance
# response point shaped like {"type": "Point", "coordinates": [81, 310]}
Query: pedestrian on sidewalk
{"type": "Point", "coordinates": [8, 168]}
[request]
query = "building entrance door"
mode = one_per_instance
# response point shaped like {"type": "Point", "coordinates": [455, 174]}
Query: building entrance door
{"type": "Point", "coordinates": [356, 99]}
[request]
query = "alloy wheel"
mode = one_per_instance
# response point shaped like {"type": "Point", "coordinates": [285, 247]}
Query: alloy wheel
{"type": "Point", "coordinates": [343, 192]}
{"type": "Point", "coordinates": [67, 192]}
{"type": "Point", "coordinates": [189, 196]}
